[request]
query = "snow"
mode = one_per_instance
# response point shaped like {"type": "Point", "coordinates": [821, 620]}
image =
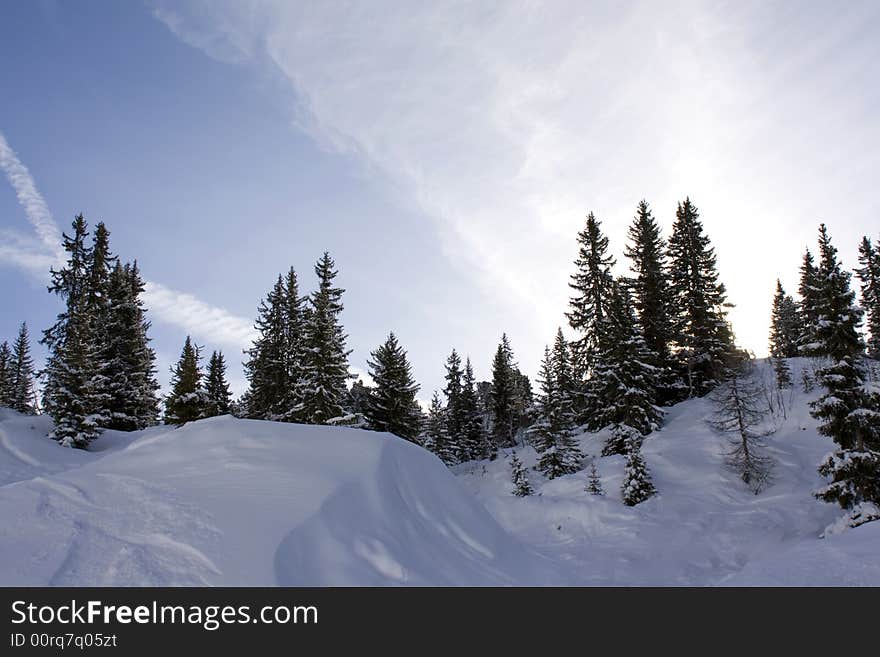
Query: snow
{"type": "Point", "coordinates": [238, 502]}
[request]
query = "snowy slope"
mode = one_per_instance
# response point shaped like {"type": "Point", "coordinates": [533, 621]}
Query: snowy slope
{"type": "Point", "coordinates": [705, 527]}
{"type": "Point", "coordinates": [237, 502]}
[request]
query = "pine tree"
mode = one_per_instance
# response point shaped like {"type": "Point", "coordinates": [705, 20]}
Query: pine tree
{"type": "Point", "coordinates": [594, 483]}
{"type": "Point", "coordinates": [519, 477]}
{"type": "Point", "coordinates": [455, 419]}
{"type": "Point", "coordinates": [6, 387]}
{"type": "Point", "coordinates": [624, 379]}
{"type": "Point", "coordinates": [97, 303]}
{"type": "Point", "coordinates": [188, 399]}
{"type": "Point", "coordinates": [69, 396]}
{"type": "Point", "coordinates": [698, 302]}
{"type": "Point", "coordinates": [21, 374]}
{"type": "Point", "coordinates": [325, 368]}
{"type": "Point", "coordinates": [869, 275]}
{"type": "Point", "coordinates": [129, 363]}
{"type": "Point", "coordinates": [741, 408]}
{"type": "Point", "coordinates": [591, 283]}
{"type": "Point", "coordinates": [503, 396]}
{"type": "Point", "coordinates": [650, 291]}
{"type": "Point", "coordinates": [784, 333]}
{"type": "Point", "coordinates": [551, 434]}
{"type": "Point", "coordinates": [435, 436]}
{"type": "Point", "coordinates": [268, 359]}
{"type": "Point", "coordinates": [295, 319]}
{"type": "Point", "coordinates": [392, 406]}
{"type": "Point", "coordinates": [473, 441]}
{"type": "Point", "coordinates": [637, 484]}
{"type": "Point", "coordinates": [217, 387]}
{"type": "Point", "coordinates": [849, 409]}
{"type": "Point", "coordinates": [809, 290]}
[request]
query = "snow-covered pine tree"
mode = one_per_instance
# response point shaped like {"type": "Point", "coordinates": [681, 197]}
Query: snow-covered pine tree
{"type": "Point", "coordinates": [455, 420]}
{"type": "Point", "coordinates": [869, 275]}
{"type": "Point", "coordinates": [646, 251]}
{"type": "Point", "coordinates": [6, 388]}
{"type": "Point", "coordinates": [188, 398]}
{"type": "Point", "coordinates": [808, 308]}
{"type": "Point", "coordinates": [71, 364]}
{"type": "Point", "coordinates": [129, 363]}
{"type": "Point", "coordinates": [268, 359]}
{"type": "Point", "coordinates": [784, 333]}
{"type": "Point", "coordinates": [435, 436]}
{"type": "Point", "coordinates": [594, 483]}
{"type": "Point", "coordinates": [591, 283]}
{"type": "Point", "coordinates": [503, 395]}
{"type": "Point", "coordinates": [392, 405]}
{"type": "Point", "coordinates": [519, 477]}
{"type": "Point", "coordinates": [100, 265]}
{"type": "Point", "coordinates": [624, 378]}
{"type": "Point", "coordinates": [551, 434]}
{"type": "Point", "coordinates": [21, 373]}
{"type": "Point", "coordinates": [325, 368]}
{"type": "Point", "coordinates": [849, 409]}
{"type": "Point", "coordinates": [295, 318]}
{"type": "Point", "coordinates": [698, 302]}
{"type": "Point", "coordinates": [474, 442]}
{"type": "Point", "coordinates": [740, 408]}
{"type": "Point", "coordinates": [217, 387]}
{"type": "Point", "coordinates": [637, 484]}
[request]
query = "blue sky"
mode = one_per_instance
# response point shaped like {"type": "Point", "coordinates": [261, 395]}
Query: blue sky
{"type": "Point", "coordinates": [445, 155]}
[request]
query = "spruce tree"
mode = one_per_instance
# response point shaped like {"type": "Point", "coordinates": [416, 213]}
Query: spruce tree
{"type": "Point", "coordinates": [637, 484]}
{"type": "Point", "coordinates": [435, 436]}
{"type": "Point", "coordinates": [6, 388]}
{"type": "Point", "coordinates": [455, 420]}
{"type": "Point", "coordinates": [591, 283]}
{"type": "Point", "coordinates": [519, 477]}
{"type": "Point", "coordinates": [392, 405]}
{"type": "Point", "coordinates": [551, 434]}
{"type": "Point", "coordinates": [473, 442]}
{"type": "Point", "coordinates": [129, 363]}
{"type": "Point", "coordinates": [624, 379]}
{"type": "Point", "coordinates": [268, 363]}
{"type": "Point", "coordinates": [869, 275]}
{"type": "Point", "coordinates": [188, 399]}
{"type": "Point", "coordinates": [69, 395]}
{"type": "Point", "coordinates": [325, 368]}
{"type": "Point", "coordinates": [784, 334]}
{"type": "Point", "coordinates": [21, 373]}
{"type": "Point", "coordinates": [809, 291]}
{"type": "Point", "coordinates": [100, 265]}
{"type": "Point", "coordinates": [698, 302]}
{"type": "Point", "coordinates": [217, 387]}
{"type": "Point", "coordinates": [594, 483]}
{"type": "Point", "coordinates": [295, 319]}
{"type": "Point", "coordinates": [650, 292]}
{"type": "Point", "coordinates": [849, 409]}
{"type": "Point", "coordinates": [504, 395]}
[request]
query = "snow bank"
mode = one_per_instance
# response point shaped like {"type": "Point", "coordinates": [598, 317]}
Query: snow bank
{"type": "Point", "coordinates": [238, 502]}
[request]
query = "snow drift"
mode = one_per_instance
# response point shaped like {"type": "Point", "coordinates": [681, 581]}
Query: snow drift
{"type": "Point", "coordinates": [238, 502]}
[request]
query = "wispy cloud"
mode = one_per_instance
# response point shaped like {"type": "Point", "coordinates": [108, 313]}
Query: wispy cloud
{"type": "Point", "coordinates": [507, 122]}
{"type": "Point", "coordinates": [180, 309]}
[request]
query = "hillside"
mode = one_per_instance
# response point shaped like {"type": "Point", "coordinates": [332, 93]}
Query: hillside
{"type": "Point", "coordinates": [237, 502]}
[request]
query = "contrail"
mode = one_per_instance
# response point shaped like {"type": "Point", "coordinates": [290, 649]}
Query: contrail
{"type": "Point", "coordinates": [179, 309]}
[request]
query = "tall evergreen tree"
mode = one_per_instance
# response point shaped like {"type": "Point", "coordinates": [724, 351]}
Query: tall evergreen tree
{"type": "Point", "coordinates": [849, 410]}
{"type": "Point", "coordinates": [219, 397]}
{"type": "Point", "coordinates": [624, 379]}
{"type": "Point", "coordinates": [809, 291]}
{"type": "Point", "coordinates": [21, 373]}
{"type": "Point", "coordinates": [325, 370]}
{"type": "Point", "coordinates": [69, 395]}
{"type": "Point", "coordinates": [650, 291]}
{"type": "Point", "coordinates": [101, 263]}
{"type": "Point", "coordinates": [698, 302]}
{"type": "Point", "coordinates": [591, 283]}
{"type": "Point", "coordinates": [267, 367]}
{"type": "Point", "coordinates": [188, 399]}
{"type": "Point", "coordinates": [869, 275]}
{"type": "Point", "coordinates": [435, 436]}
{"type": "Point", "coordinates": [473, 442]}
{"type": "Point", "coordinates": [295, 319]}
{"type": "Point", "coordinates": [551, 434]}
{"type": "Point", "coordinates": [392, 406]}
{"type": "Point", "coordinates": [784, 333]}
{"type": "Point", "coordinates": [504, 395]}
{"type": "Point", "coordinates": [455, 420]}
{"type": "Point", "coordinates": [6, 387]}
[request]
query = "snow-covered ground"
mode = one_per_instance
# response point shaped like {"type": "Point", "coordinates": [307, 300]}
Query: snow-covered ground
{"type": "Point", "coordinates": [237, 502]}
